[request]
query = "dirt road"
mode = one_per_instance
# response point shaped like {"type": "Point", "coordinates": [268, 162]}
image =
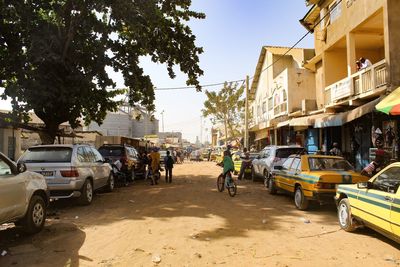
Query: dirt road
{"type": "Point", "coordinates": [190, 223]}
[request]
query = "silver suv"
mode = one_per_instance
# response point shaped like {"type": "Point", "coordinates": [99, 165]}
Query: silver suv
{"type": "Point", "coordinates": [70, 170]}
{"type": "Point", "coordinates": [23, 196]}
{"type": "Point", "coordinates": [272, 156]}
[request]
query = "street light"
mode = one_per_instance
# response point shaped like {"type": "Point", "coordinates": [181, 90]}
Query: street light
{"type": "Point", "coordinates": [162, 120]}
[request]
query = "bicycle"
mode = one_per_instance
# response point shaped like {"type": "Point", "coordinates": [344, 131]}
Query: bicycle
{"type": "Point", "coordinates": [229, 183]}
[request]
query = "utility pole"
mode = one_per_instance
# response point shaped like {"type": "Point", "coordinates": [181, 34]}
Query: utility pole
{"type": "Point", "coordinates": [162, 120]}
{"type": "Point", "coordinates": [201, 129]}
{"type": "Point", "coordinates": [246, 115]}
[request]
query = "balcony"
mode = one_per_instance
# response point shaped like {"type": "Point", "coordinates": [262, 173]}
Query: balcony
{"type": "Point", "coordinates": [359, 85]}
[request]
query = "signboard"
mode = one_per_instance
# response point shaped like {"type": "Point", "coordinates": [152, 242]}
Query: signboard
{"type": "Point", "coordinates": [341, 89]}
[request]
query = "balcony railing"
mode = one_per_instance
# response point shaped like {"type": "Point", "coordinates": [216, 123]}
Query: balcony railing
{"type": "Point", "coordinates": [366, 80]}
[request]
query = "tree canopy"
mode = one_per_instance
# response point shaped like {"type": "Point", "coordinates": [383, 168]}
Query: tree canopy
{"type": "Point", "coordinates": [54, 54]}
{"type": "Point", "coordinates": [227, 107]}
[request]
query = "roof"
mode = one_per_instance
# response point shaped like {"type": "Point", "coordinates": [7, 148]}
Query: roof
{"type": "Point", "coordinates": [309, 19]}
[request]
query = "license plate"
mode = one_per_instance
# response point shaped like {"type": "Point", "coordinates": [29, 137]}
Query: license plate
{"type": "Point", "coordinates": [46, 173]}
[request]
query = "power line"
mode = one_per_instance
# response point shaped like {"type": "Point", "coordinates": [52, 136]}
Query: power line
{"type": "Point", "coordinates": [269, 66]}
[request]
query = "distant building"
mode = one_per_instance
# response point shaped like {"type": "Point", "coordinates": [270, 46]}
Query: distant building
{"type": "Point", "coordinates": [127, 122]}
{"type": "Point", "coordinates": [172, 138]}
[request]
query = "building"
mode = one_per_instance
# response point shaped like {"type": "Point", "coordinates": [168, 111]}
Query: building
{"type": "Point", "coordinates": [10, 137]}
{"type": "Point", "coordinates": [344, 32]}
{"type": "Point", "coordinates": [127, 121]}
{"type": "Point", "coordinates": [170, 138]}
{"type": "Point", "coordinates": [282, 88]}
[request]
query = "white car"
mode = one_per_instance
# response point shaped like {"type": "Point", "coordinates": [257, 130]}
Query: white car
{"type": "Point", "coordinates": [70, 170]}
{"type": "Point", "coordinates": [24, 196]}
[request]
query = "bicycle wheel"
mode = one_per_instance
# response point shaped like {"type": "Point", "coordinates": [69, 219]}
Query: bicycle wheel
{"type": "Point", "coordinates": [232, 188]}
{"type": "Point", "coordinates": [221, 183]}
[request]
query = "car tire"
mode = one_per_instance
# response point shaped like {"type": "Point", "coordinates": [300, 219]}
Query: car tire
{"type": "Point", "coordinates": [346, 220]}
{"type": "Point", "coordinates": [265, 176]}
{"type": "Point", "coordinates": [272, 187]}
{"type": "Point", "coordinates": [35, 217]}
{"type": "Point", "coordinates": [110, 183]}
{"type": "Point", "coordinates": [86, 197]}
{"type": "Point", "coordinates": [300, 200]}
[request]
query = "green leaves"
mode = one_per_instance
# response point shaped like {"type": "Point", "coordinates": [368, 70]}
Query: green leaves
{"type": "Point", "coordinates": [53, 54]}
{"type": "Point", "coordinates": [226, 106]}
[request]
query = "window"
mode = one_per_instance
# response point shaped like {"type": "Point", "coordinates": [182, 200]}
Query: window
{"type": "Point", "coordinates": [47, 154]}
{"type": "Point", "coordinates": [388, 181]}
{"type": "Point", "coordinates": [335, 10]}
{"type": "Point", "coordinates": [287, 163]}
{"type": "Point", "coordinates": [97, 155]}
{"type": "Point", "coordinates": [264, 107]}
{"type": "Point", "coordinates": [329, 164]}
{"type": "Point", "coordinates": [295, 165]}
{"type": "Point", "coordinates": [90, 156]}
{"type": "Point", "coordinates": [4, 168]}
{"type": "Point", "coordinates": [81, 154]}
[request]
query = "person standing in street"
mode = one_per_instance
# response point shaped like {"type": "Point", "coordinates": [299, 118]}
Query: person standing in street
{"type": "Point", "coordinates": [155, 165]}
{"type": "Point", "coordinates": [245, 157]}
{"type": "Point", "coordinates": [169, 164]}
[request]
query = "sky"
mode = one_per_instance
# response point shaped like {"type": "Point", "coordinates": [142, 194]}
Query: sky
{"type": "Point", "coordinates": [232, 36]}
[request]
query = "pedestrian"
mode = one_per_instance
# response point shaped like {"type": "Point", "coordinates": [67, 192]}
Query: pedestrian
{"type": "Point", "coordinates": [365, 63]}
{"type": "Point", "coordinates": [169, 164]}
{"type": "Point", "coordinates": [335, 151]}
{"type": "Point", "coordinates": [178, 156]}
{"type": "Point", "coordinates": [145, 162]}
{"type": "Point", "coordinates": [245, 157]}
{"type": "Point", "coordinates": [155, 165]}
{"type": "Point", "coordinates": [209, 154]}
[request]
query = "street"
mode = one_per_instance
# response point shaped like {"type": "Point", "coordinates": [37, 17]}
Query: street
{"type": "Point", "coordinates": [190, 223]}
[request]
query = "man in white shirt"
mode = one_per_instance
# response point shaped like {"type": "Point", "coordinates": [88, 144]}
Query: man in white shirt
{"type": "Point", "coordinates": [365, 63]}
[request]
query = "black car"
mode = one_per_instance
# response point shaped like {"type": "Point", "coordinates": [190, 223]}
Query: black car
{"type": "Point", "coordinates": [131, 163]}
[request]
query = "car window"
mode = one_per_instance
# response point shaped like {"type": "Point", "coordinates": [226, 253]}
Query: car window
{"type": "Point", "coordinates": [134, 152]}
{"type": "Point", "coordinates": [47, 154]}
{"type": "Point", "coordinates": [388, 181]}
{"type": "Point", "coordinates": [111, 151]}
{"type": "Point", "coordinates": [287, 163]}
{"type": "Point", "coordinates": [295, 165]}
{"type": "Point", "coordinates": [286, 152]}
{"type": "Point", "coordinates": [329, 164]}
{"type": "Point", "coordinates": [4, 168]}
{"type": "Point", "coordinates": [89, 154]}
{"type": "Point", "coordinates": [97, 155]}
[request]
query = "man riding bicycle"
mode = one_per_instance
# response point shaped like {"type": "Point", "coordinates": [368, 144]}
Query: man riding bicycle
{"type": "Point", "coordinates": [228, 165]}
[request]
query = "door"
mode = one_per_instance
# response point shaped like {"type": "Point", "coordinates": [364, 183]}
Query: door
{"type": "Point", "coordinates": [375, 204]}
{"type": "Point", "coordinates": [103, 168]}
{"type": "Point", "coordinates": [12, 193]}
{"type": "Point", "coordinates": [98, 179]}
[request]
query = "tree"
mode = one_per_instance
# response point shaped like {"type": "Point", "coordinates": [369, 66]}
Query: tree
{"type": "Point", "coordinates": [54, 54]}
{"type": "Point", "coordinates": [227, 107]}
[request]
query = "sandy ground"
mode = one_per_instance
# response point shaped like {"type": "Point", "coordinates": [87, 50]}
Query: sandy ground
{"type": "Point", "coordinates": [190, 223]}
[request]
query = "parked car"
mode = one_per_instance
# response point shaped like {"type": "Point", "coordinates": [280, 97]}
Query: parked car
{"type": "Point", "coordinates": [129, 157]}
{"type": "Point", "coordinates": [24, 196]}
{"type": "Point", "coordinates": [70, 170]}
{"type": "Point", "coordinates": [375, 203]}
{"type": "Point", "coordinates": [272, 156]}
{"type": "Point", "coordinates": [313, 178]}
{"type": "Point", "coordinates": [238, 162]}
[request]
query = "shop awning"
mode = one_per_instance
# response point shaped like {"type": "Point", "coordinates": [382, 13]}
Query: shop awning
{"type": "Point", "coordinates": [306, 121]}
{"type": "Point", "coordinates": [345, 117]}
{"type": "Point", "coordinates": [282, 124]}
{"type": "Point", "coordinates": [391, 103]}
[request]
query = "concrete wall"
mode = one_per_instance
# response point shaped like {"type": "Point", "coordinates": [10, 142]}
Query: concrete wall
{"type": "Point", "coordinates": [335, 65]}
{"type": "Point", "coordinates": [301, 86]}
{"type": "Point", "coordinates": [7, 145]}
{"type": "Point", "coordinates": [392, 40]}
{"type": "Point", "coordinates": [319, 84]}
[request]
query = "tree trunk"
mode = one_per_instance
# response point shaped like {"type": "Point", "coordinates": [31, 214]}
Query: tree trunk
{"type": "Point", "coordinates": [49, 134]}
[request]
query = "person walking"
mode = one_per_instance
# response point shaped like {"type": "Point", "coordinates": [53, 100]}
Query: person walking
{"type": "Point", "coordinates": [154, 158]}
{"type": "Point", "coordinates": [169, 164]}
{"type": "Point", "coordinates": [245, 157]}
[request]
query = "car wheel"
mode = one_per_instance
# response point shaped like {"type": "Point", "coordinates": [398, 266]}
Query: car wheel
{"type": "Point", "coordinates": [272, 187]}
{"type": "Point", "coordinates": [266, 177]}
{"type": "Point", "coordinates": [346, 220]}
{"type": "Point", "coordinates": [110, 183]}
{"type": "Point", "coordinates": [35, 217]}
{"type": "Point", "coordinates": [300, 200]}
{"type": "Point", "coordinates": [86, 197]}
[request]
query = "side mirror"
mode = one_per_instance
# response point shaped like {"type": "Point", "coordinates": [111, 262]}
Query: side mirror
{"type": "Point", "coordinates": [21, 167]}
{"type": "Point", "coordinates": [364, 185]}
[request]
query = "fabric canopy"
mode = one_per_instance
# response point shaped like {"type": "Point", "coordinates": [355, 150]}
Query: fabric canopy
{"type": "Point", "coordinates": [391, 103]}
{"type": "Point", "coordinates": [345, 117]}
{"type": "Point", "coordinates": [306, 121]}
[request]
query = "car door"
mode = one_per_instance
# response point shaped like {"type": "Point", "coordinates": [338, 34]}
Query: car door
{"type": "Point", "coordinates": [103, 168]}
{"type": "Point", "coordinates": [264, 161]}
{"type": "Point", "coordinates": [395, 213]}
{"type": "Point", "coordinates": [281, 179]}
{"type": "Point", "coordinates": [12, 193]}
{"type": "Point", "coordinates": [98, 179]}
{"type": "Point", "coordinates": [374, 205]}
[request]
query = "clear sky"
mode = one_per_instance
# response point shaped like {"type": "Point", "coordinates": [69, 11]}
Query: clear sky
{"type": "Point", "coordinates": [232, 36]}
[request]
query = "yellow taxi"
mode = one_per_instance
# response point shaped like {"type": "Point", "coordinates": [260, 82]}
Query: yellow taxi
{"type": "Point", "coordinates": [375, 203]}
{"type": "Point", "coordinates": [312, 178]}
{"type": "Point", "coordinates": [237, 161]}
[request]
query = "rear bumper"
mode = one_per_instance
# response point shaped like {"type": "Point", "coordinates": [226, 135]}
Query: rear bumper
{"type": "Point", "coordinates": [69, 188]}
{"type": "Point", "coordinates": [324, 197]}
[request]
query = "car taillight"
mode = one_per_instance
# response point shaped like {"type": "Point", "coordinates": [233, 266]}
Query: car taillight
{"type": "Point", "coordinates": [325, 186]}
{"type": "Point", "coordinates": [73, 172]}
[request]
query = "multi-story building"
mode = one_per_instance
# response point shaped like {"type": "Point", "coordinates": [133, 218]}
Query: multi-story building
{"type": "Point", "coordinates": [346, 31]}
{"type": "Point", "coordinates": [281, 88]}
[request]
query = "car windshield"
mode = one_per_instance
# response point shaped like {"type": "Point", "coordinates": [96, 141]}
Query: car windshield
{"type": "Point", "coordinates": [286, 152]}
{"type": "Point", "coordinates": [111, 151]}
{"type": "Point", "coordinates": [329, 164]}
{"type": "Point", "coordinates": [47, 154]}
